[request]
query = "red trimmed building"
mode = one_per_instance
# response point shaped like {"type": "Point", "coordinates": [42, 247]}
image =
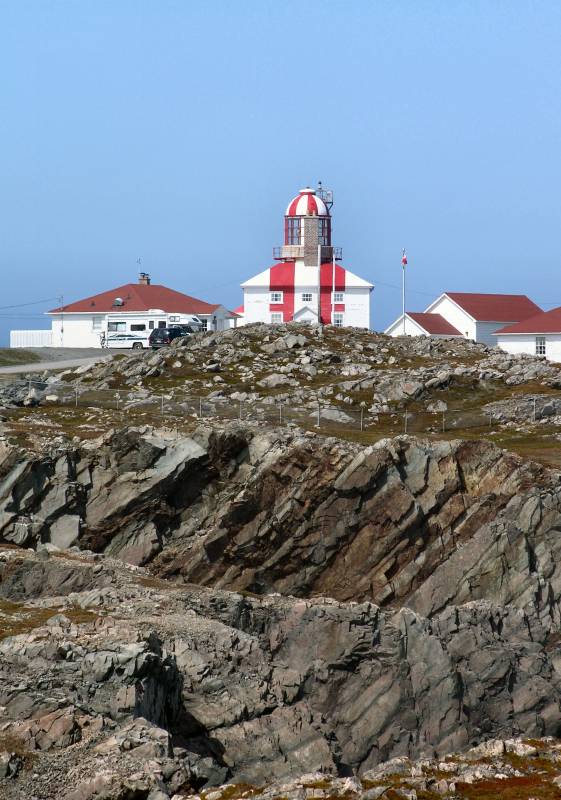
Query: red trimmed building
{"type": "Point", "coordinates": [124, 317]}
{"type": "Point", "coordinates": [471, 315]}
{"type": "Point", "coordinates": [538, 335]}
{"type": "Point", "coordinates": [307, 283]}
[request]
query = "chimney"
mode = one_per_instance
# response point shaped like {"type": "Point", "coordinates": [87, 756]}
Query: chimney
{"type": "Point", "coordinates": [144, 279]}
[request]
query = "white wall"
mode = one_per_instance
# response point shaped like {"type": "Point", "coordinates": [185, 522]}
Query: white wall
{"type": "Point", "coordinates": [526, 343]}
{"type": "Point", "coordinates": [455, 316]}
{"type": "Point", "coordinates": [30, 338]}
{"type": "Point", "coordinates": [357, 308]}
{"type": "Point", "coordinates": [78, 331]}
{"type": "Point", "coordinates": [485, 331]}
{"type": "Point", "coordinates": [411, 328]}
{"type": "Point", "coordinates": [256, 304]}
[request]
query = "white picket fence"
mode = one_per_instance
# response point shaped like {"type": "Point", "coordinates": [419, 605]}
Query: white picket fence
{"type": "Point", "coordinates": [31, 338]}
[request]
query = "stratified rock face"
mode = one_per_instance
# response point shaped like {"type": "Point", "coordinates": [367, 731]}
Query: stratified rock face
{"type": "Point", "coordinates": [130, 675]}
{"type": "Point", "coordinates": [400, 523]}
{"type": "Point", "coordinates": [353, 605]}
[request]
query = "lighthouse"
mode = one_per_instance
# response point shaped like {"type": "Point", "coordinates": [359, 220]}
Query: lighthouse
{"type": "Point", "coordinates": [307, 283]}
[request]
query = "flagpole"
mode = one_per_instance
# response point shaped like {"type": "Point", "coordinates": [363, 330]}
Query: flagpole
{"type": "Point", "coordinates": [403, 263]}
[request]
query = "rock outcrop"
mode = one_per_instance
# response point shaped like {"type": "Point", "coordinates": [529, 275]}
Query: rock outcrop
{"type": "Point", "coordinates": [178, 687]}
{"type": "Point", "coordinates": [404, 522]}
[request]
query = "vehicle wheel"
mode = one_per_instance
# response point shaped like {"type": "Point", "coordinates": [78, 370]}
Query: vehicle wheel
{"type": "Point", "coordinates": [137, 346]}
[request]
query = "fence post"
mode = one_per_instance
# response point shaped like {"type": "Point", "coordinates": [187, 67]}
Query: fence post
{"type": "Point", "coordinates": [76, 397]}
{"type": "Point", "coordinates": [319, 415]}
{"type": "Point", "coordinates": [200, 407]}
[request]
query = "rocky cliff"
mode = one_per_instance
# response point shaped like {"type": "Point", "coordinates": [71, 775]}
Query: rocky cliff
{"type": "Point", "coordinates": [250, 605]}
{"type": "Point", "coordinates": [220, 610]}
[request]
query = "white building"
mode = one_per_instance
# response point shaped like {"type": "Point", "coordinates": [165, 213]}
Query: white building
{"type": "Point", "coordinates": [539, 335]}
{"type": "Point", "coordinates": [135, 308]}
{"type": "Point", "coordinates": [474, 316]}
{"type": "Point", "coordinates": [417, 323]}
{"type": "Point", "coordinates": [307, 284]}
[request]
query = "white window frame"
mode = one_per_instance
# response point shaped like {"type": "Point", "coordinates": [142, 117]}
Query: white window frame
{"type": "Point", "coordinates": [540, 345]}
{"type": "Point", "coordinates": [116, 326]}
{"type": "Point", "coordinates": [338, 297]}
{"type": "Point", "coordinates": [307, 297]}
{"type": "Point", "coordinates": [97, 323]}
{"type": "Point", "coordinates": [276, 318]}
{"type": "Point", "coordinates": [204, 323]}
{"type": "Point", "coordinates": [276, 297]}
{"type": "Point", "coordinates": [338, 319]}
{"type": "Point", "coordinates": [175, 318]}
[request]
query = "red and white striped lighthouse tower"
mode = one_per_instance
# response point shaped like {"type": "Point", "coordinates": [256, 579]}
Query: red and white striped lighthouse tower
{"type": "Point", "coordinates": [307, 283]}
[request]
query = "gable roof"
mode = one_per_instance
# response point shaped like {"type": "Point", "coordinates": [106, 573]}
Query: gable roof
{"type": "Point", "coordinates": [139, 297]}
{"type": "Point", "coordinates": [433, 323]}
{"type": "Point", "coordinates": [545, 322]}
{"type": "Point", "coordinates": [495, 307]}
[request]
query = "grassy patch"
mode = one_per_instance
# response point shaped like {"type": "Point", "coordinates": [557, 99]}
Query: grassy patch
{"type": "Point", "coordinates": [17, 618]}
{"type": "Point", "coordinates": [12, 357]}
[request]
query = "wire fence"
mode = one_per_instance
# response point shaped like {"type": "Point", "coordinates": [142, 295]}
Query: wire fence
{"type": "Point", "coordinates": [172, 407]}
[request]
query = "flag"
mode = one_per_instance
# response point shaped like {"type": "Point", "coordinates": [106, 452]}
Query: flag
{"type": "Point", "coordinates": [403, 259]}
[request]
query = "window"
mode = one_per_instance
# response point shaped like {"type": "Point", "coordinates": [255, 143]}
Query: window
{"type": "Point", "coordinates": [338, 297]}
{"type": "Point", "coordinates": [324, 231]}
{"type": "Point", "coordinates": [151, 325]}
{"type": "Point", "coordinates": [96, 323]}
{"type": "Point", "coordinates": [276, 297]}
{"type": "Point", "coordinates": [276, 319]}
{"type": "Point", "coordinates": [204, 324]}
{"type": "Point", "coordinates": [175, 318]}
{"type": "Point", "coordinates": [138, 327]}
{"type": "Point", "coordinates": [292, 230]}
{"type": "Point", "coordinates": [338, 320]}
{"type": "Point", "coordinates": [116, 326]}
{"type": "Point", "coordinates": [540, 345]}
{"type": "Point", "coordinates": [161, 323]}
{"type": "Point", "coordinates": [307, 297]}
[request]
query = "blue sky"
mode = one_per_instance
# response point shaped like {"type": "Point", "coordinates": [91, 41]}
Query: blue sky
{"type": "Point", "coordinates": [178, 131]}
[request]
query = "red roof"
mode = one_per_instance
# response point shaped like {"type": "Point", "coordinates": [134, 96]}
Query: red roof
{"type": "Point", "coordinates": [433, 323]}
{"type": "Point", "coordinates": [495, 307]}
{"type": "Point", "coordinates": [239, 310]}
{"type": "Point", "coordinates": [545, 322]}
{"type": "Point", "coordinates": [139, 297]}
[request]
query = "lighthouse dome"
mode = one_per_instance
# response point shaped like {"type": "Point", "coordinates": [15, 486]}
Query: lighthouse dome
{"type": "Point", "coordinates": [306, 203]}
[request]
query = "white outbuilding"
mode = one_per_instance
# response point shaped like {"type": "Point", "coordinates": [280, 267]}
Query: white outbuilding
{"type": "Point", "coordinates": [539, 335]}
{"type": "Point", "coordinates": [472, 315]}
{"type": "Point", "coordinates": [124, 317]}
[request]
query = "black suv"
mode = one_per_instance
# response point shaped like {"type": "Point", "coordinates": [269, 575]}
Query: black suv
{"type": "Point", "coordinates": [160, 337]}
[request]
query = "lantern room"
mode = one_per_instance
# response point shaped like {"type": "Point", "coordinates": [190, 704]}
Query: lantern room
{"type": "Point", "coordinates": [307, 227]}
